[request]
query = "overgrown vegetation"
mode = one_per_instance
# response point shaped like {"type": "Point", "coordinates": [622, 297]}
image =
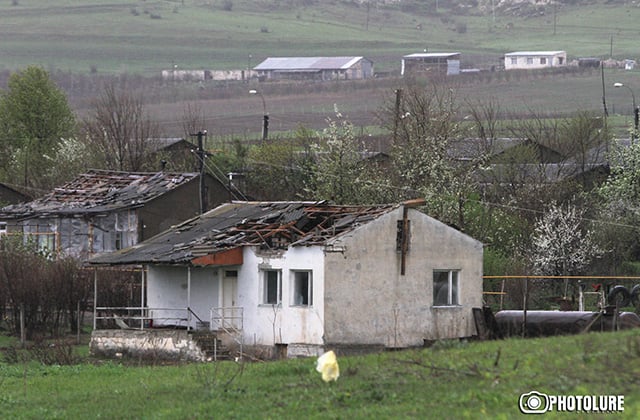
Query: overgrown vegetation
{"type": "Point", "coordinates": [44, 294]}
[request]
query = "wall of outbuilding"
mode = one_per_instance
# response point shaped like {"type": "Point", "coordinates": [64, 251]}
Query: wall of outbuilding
{"type": "Point", "coordinates": [178, 205]}
{"type": "Point", "coordinates": [369, 302]}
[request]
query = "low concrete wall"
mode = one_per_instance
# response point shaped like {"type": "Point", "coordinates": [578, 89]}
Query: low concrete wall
{"type": "Point", "coordinates": [156, 344]}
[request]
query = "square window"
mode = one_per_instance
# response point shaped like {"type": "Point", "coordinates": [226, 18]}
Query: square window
{"type": "Point", "coordinates": [543, 60]}
{"type": "Point", "coordinates": [302, 288]}
{"type": "Point", "coordinates": [529, 60]}
{"type": "Point", "coordinates": [445, 287]}
{"type": "Point", "coordinates": [271, 287]}
{"type": "Point", "coordinates": [514, 60]}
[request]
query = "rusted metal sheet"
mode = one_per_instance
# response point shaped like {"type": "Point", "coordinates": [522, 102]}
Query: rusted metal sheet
{"type": "Point", "coordinates": [229, 257]}
{"type": "Point", "coordinates": [547, 323]}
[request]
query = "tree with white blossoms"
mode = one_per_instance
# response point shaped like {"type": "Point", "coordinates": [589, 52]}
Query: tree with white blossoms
{"type": "Point", "coordinates": [619, 199]}
{"type": "Point", "coordinates": [71, 157]}
{"type": "Point", "coordinates": [340, 172]}
{"type": "Point", "coordinates": [621, 192]}
{"type": "Point", "coordinates": [561, 245]}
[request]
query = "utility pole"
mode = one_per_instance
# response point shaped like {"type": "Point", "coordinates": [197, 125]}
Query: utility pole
{"type": "Point", "coordinates": [265, 127]}
{"type": "Point", "coordinates": [201, 155]}
{"type": "Point", "coordinates": [265, 115]}
{"type": "Point", "coordinates": [396, 118]}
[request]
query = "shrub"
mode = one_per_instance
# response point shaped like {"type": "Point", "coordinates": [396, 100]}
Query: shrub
{"type": "Point", "coordinates": [47, 291]}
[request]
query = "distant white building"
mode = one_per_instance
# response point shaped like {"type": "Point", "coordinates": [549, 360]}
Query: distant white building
{"type": "Point", "coordinates": [530, 60]}
{"type": "Point", "coordinates": [315, 68]}
{"type": "Point", "coordinates": [179, 75]}
{"type": "Point", "coordinates": [438, 63]}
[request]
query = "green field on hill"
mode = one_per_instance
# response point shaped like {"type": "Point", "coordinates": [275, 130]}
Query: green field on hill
{"type": "Point", "coordinates": [147, 36]}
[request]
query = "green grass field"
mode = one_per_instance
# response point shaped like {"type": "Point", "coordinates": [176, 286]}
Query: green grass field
{"type": "Point", "coordinates": [147, 36]}
{"type": "Point", "coordinates": [449, 380]}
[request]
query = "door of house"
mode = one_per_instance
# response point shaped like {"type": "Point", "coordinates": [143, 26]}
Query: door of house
{"type": "Point", "coordinates": [229, 310]}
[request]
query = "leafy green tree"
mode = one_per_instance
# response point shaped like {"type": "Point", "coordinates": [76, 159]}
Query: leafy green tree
{"type": "Point", "coordinates": [34, 117]}
{"type": "Point", "coordinates": [280, 168]}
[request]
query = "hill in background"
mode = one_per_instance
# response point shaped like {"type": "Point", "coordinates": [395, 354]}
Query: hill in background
{"type": "Point", "coordinates": [147, 36]}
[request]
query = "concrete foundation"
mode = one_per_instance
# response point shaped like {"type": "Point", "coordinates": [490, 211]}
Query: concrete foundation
{"type": "Point", "coordinates": [156, 344]}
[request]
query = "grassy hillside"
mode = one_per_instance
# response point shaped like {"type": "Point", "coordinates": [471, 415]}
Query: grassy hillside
{"type": "Point", "coordinates": [449, 380]}
{"type": "Point", "coordinates": [146, 36]}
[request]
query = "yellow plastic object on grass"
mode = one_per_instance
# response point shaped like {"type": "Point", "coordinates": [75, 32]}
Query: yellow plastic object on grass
{"type": "Point", "coordinates": [328, 366]}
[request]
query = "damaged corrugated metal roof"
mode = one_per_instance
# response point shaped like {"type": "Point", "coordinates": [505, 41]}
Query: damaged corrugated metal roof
{"type": "Point", "coordinates": [100, 191]}
{"type": "Point", "coordinates": [270, 225]}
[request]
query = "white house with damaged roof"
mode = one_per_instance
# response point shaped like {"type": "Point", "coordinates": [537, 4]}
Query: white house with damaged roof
{"type": "Point", "coordinates": [298, 278]}
{"type": "Point", "coordinates": [315, 68]}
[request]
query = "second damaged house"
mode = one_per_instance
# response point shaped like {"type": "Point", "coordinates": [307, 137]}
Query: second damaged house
{"type": "Point", "coordinates": [103, 211]}
{"type": "Point", "coordinates": [297, 278]}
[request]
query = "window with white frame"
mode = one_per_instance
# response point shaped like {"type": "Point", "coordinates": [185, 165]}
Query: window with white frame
{"type": "Point", "coordinates": [514, 60]}
{"type": "Point", "coordinates": [445, 287]}
{"type": "Point", "coordinates": [543, 60]}
{"type": "Point", "coordinates": [529, 60]}
{"type": "Point", "coordinates": [302, 288]}
{"type": "Point", "coordinates": [271, 287]}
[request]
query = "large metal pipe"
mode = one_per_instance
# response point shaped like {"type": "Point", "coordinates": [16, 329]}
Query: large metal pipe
{"type": "Point", "coordinates": [546, 323]}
